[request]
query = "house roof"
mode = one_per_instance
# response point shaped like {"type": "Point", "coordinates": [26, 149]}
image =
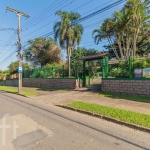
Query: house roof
{"type": "Point", "coordinates": [111, 62]}
{"type": "Point", "coordinates": [94, 57]}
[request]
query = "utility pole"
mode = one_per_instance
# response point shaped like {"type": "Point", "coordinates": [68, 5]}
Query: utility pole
{"type": "Point", "coordinates": [19, 14]}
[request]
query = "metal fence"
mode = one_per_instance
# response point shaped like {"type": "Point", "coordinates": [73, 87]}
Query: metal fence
{"type": "Point", "coordinates": [61, 72]}
{"type": "Point", "coordinates": [130, 68]}
{"type": "Point", "coordinates": [51, 72]}
{"type": "Point", "coordinates": [121, 69]}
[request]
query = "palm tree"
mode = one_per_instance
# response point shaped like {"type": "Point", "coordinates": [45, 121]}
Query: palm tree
{"type": "Point", "coordinates": [125, 27]}
{"type": "Point", "coordinates": [137, 10]}
{"type": "Point", "coordinates": [105, 32]}
{"type": "Point", "coordinates": [68, 31]}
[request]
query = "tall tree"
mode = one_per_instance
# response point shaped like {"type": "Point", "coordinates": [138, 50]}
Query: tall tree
{"type": "Point", "coordinates": [81, 52]}
{"type": "Point", "coordinates": [4, 74]}
{"type": "Point", "coordinates": [13, 67]}
{"type": "Point", "coordinates": [42, 51]}
{"type": "Point", "coordinates": [68, 31]}
{"type": "Point", "coordinates": [125, 28]}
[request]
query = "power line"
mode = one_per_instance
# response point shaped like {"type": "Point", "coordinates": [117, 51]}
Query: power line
{"type": "Point", "coordinates": [5, 45]}
{"type": "Point", "coordinates": [91, 42]}
{"type": "Point", "coordinates": [87, 17]}
{"type": "Point", "coordinates": [99, 11]}
{"type": "Point", "coordinates": [83, 5]}
{"type": "Point", "coordinates": [10, 40]}
{"type": "Point", "coordinates": [39, 15]}
{"type": "Point", "coordinates": [7, 51]}
{"type": "Point", "coordinates": [2, 29]}
{"type": "Point", "coordinates": [46, 24]}
{"type": "Point", "coordinates": [13, 20]}
{"type": "Point", "coordinates": [4, 17]}
{"type": "Point", "coordinates": [91, 45]}
{"type": "Point", "coordinates": [7, 31]}
{"type": "Point", "coordinates": [35, 23]}
{"type": "Point", "coordinates": [104, 14]}
{"type": "Point", "coordinates": [8, 56]}
{"type": "Point", "coordinates": [98, 7]}
{"type": "Point", "coordinates": [57, 19]}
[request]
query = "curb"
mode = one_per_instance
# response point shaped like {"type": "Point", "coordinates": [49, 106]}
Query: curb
{"type": "Point", "coordinates": [133, 126]}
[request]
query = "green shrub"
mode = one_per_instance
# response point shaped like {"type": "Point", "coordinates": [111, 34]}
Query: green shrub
{"type": "Point", "coordinates": [41, 75]}
{"type": "Point", "coordinates": [141, 64]}
{"type": "Point", "coordinates": [119, 72]}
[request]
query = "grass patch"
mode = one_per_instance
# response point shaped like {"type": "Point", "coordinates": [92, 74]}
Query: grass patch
{"type": "Point", "coordinates": [127, 97]}
{"type": "Point", "coordinates": [119, 114]}
{"type": "Point", "coordinates": [10, 89]}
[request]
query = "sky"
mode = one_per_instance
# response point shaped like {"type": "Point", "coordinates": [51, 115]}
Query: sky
{"type": "Point", "coordinates": [41, 21]}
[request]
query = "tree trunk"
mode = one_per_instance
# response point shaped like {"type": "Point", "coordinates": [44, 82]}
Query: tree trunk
{"type": "Point", "coordinates": [120, 49]}
{"type": "Point", "coordinates": [124, 48]}
{"type": "Point", "coordinates": [68, 53]}
{"type": "Point", "coordinates": [69, 65]}
{"type": "Point", "coordinates": [127, 49]}
{"type": "Point", "coordinates": [109, 40]}
{"type": "Point", "coordinates": [135, 42]}
{"type": "Point", "coordinates": [134, 46]}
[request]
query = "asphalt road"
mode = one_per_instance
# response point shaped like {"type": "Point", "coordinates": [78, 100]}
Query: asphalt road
{"type": "Point", "coordinates": [47, 127]}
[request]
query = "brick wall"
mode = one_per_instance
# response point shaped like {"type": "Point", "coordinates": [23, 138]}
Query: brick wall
{"type": "Point", "coordinates": [45, 83]}
{"type": "Point", "coordinates": [131, 87]}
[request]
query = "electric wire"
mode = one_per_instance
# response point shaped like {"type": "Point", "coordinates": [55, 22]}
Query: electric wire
{"type": "Point", "coordinates": [90, 16]}
{"type": "Point", "coordinates": [99, 11]}
{"type": "Point", "coordinates": [8, 56]}
{"type": "Point", "coordinates": [35, 23]}
{"type": "Point", "coordinates": [86, 17]}
{"type": "Point", "coordinates": [4, 17]}
{"type": "Point", "coordinates": [44, 25]}
{"type": "Point", "coordinates": [7, 51]}
{"type": "Point", "coordinates": [57, 19]}
{"type": "Point", "coordinates": [40, 14]}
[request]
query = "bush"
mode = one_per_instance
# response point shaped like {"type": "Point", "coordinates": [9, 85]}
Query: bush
{"type": "Point", "coordinates": [141, 64]}
{"type": "Point", "coordinates": [119, 72]}
{"type": "Point", "coordinates": [122, 69]}
{"type": "Point", "coordinates": [41, 75]}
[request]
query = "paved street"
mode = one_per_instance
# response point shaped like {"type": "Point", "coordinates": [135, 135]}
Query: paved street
{"type": "Point", "coordinates": [47, 127]}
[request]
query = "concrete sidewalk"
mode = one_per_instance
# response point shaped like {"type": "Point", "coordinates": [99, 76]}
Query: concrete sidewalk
{"type": "Point", "coordinates": [63, 98]}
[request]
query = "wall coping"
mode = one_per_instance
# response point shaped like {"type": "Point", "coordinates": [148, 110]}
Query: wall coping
{"type": "Point", "coordinates": [136, 79]}
{"type": "Point", "coordinates": [45, 78]}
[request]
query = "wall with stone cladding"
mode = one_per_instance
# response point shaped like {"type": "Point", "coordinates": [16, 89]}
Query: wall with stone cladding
{"type": "Point", "coordinates": [45, 83]}
{"type": "Point", "coordinates": [13, 82]}
{"type": "Point", "coordinates": [131, 87]}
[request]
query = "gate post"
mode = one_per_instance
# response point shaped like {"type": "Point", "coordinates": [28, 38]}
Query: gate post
{"type": "Point", "coordinates": [129, 60]}
{"type": "Point", "coordinates": [63, 71]}
{"type": "Point", "coordinates": [106, 66]}
{"type": "Point", "coordinates": [103, 67]}
{"type": "Point", "coordinates": [84, 74]}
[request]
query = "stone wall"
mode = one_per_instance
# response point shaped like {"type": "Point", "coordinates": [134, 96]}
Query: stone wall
{"type": "Point", "coordinates": [13, 82]}
{"type": "Point", "coordinates": [124, 86]}
{"type": "Point", "coordinates": [45, 83]}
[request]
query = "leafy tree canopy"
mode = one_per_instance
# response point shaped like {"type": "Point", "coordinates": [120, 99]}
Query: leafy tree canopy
{"type": "Point", "coordinates": [80, 52]}
{"type": "Point", "coordinates": [128, 30]}
{"type": "Point", "coordinates": [42, 51]}
{"type": "Point", "coordinates": [4, 73]}
{"type": "Point", "coordinates": [13, 67]}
